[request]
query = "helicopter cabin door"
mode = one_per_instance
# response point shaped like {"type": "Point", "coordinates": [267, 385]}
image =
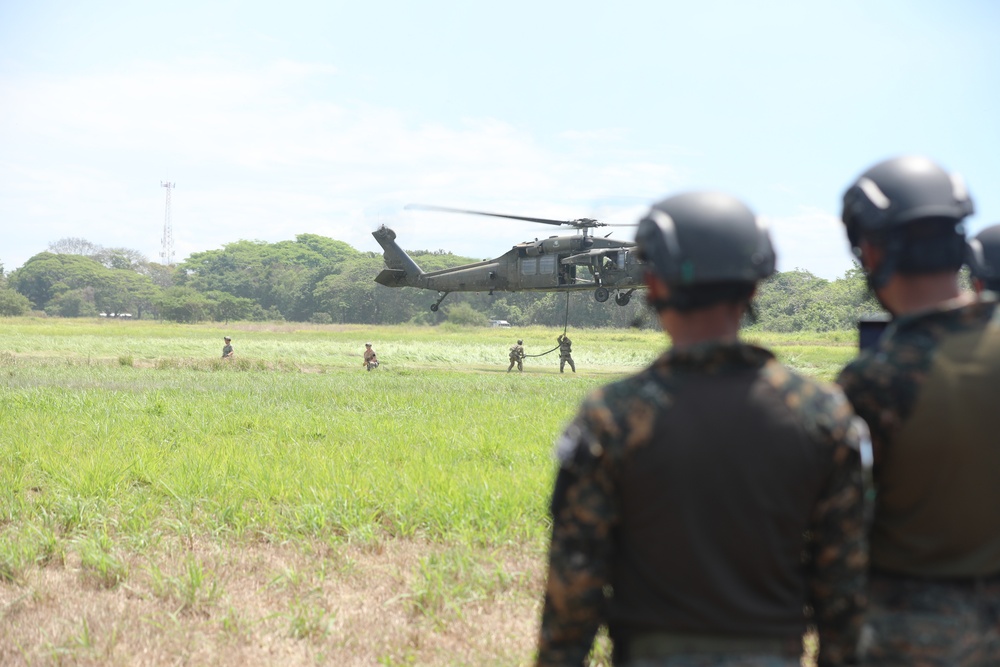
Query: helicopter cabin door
{"type": "Point", "coordinates": [539, 272]}
{"type": "Point", "coordinates": [567, 274]}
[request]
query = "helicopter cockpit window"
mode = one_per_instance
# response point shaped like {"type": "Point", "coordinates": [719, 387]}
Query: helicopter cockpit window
{"type": "Point", "coordinates": [529, 266]}
{"type": "Point", "coordinates": [547, 264]}
{"type": "Point", "coordinates": [622, 259]}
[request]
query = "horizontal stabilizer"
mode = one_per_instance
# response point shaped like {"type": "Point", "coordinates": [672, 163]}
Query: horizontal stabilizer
{"type": "Point", "coordinates": [400, 269]}
{"type": "Point", "coordinates": [391, 278]}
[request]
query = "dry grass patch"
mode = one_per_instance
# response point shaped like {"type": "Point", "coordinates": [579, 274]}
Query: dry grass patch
{"type": "Point", "coordinates": [390, 602]}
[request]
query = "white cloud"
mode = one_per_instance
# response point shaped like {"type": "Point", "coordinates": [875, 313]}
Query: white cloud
{"type": "Point", "coordinates": [271, 153]}
{"type": "Point", "coordinates": [813, 240]}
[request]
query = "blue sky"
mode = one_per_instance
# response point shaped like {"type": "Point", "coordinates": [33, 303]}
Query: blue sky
{"type": "Point", "coordinates": [276, 119]}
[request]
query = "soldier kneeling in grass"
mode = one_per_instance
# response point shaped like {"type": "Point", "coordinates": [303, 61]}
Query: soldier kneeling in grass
{"type": "Point", "coordinates": [371, 359]}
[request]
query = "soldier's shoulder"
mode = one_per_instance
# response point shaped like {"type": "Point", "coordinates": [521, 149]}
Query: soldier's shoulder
{"type": "Point", "coordinates": [901, 351]}
{"type": "Point", "coordinates": [861, 366]}
{"type": "Point", "coordinates": [643, 386]}
{"type": "Point", "coordinates": [619, 401]}
{"type": "Point", "coordinates": [821, 407]}
{"type": "Point", "coordinates": [614, 418]}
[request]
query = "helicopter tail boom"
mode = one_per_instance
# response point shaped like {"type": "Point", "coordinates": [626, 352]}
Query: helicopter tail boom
{"type": "Point", "coordinates": [400, 269]}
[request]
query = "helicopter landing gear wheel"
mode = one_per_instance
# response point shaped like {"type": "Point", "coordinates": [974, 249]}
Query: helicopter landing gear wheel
{"type": "Point", "coordinates": [622, 298]}
{"type": "Point", "coordinates": [434, 306]}
{"type": "Point", "coordinates": [601, 294]}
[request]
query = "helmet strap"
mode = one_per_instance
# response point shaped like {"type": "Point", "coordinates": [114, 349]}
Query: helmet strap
{"type": "Point", "coordinates": [891, 250]}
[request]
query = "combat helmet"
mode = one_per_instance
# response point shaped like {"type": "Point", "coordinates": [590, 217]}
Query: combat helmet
{"type": "Point", "coordinates": [885, 205]}
{"type": "Point", "coordinates": [700, 238]}
{"type": "Point", "coordinates": [984, 257]}
{"type": "Point", "coordinates": [520, 342]}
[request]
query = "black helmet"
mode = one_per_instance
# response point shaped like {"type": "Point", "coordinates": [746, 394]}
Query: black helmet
{"type": "Point", "coordinates": [520, 342]}
{"type": "Point", "coordinates": [984, 256]}
{"type": "Point", "coordinates": [900, 191]}
{"type": "Point", "coordinates": [914, 209]}
{"type": "Point", "coordinates": [701, 238]}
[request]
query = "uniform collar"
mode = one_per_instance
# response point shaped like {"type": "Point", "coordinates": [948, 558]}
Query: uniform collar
{"type": "Point", "coordinates": [953, 309]}
{"type": "Point", "coordinates": [713, 357]}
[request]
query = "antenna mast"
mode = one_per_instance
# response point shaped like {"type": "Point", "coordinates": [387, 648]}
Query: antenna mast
{"type": "Point", "coordinates": [167, 249]}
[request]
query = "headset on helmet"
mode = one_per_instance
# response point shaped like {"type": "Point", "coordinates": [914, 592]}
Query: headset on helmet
{"type": "Point", "coordinates": [984, 256]}
{"type": "Point", "coordinates": [891, 197]}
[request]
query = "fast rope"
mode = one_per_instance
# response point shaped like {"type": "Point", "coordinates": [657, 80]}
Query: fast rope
{"type": "Point", "coordinates": [565, 327]}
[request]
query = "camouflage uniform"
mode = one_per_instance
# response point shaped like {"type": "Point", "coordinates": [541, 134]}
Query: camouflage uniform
{"type": "Point", "coordinates": [928, 392]}
{"type": "Point", "coordinates": [371, 359]}
{"type": "Point", "coordinates": [610, 503]}
{"type": "Point", "coordinates": [516, 357]}
{"type": "Point", "coordinates": [565, 352]}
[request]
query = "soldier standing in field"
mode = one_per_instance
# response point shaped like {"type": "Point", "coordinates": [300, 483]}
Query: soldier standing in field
{"type": "Point", "coordinates": [516, 356]}
{"type": "Point", "coordinates": [565, 352]}
{"type": "Point", "coordinates": [703, 504]}
{"type": "Point", "coordinates": [227, 348]}
{"type": "Point", "coordinates": [928, 392]}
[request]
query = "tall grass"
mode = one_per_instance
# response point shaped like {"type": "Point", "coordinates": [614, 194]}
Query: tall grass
{"type": "Point", "coordinates": [122, 441]}
{"type": "Point", "coordinates": [437, 454]}
{"type": "Point", "coordinates": [291, 436]}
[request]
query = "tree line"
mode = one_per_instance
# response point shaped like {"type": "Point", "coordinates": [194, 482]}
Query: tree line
{"type": "Point", "coordinates": [319, 279]}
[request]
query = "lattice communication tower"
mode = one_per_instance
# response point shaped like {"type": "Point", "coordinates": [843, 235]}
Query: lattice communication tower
{"type": "Point", "coordinates": [167, 249]}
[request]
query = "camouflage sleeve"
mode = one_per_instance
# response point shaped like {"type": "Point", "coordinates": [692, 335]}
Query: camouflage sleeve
{"type": "Point", "coordinates": [870, 399]}
{"type": "Point", "coordinates": [584, 511]}
{"type": "Point", "coordinates": [838, 550]}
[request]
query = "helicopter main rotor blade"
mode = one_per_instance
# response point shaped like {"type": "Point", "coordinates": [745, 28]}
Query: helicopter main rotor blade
{"type": "Point", "coordinates": [583, 222]}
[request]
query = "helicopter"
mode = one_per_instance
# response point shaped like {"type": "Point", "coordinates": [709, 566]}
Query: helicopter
{"type": "Point", "coordinates": [557, 264]}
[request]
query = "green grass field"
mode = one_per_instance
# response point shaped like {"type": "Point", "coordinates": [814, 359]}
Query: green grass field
{"type": "Point", "coordinates": [161, 505]}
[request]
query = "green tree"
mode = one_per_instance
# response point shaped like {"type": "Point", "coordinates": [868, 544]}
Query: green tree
{"type": "Point", "coordinates": [462, 313]}
{"type": "Point", "coordinates": [351, 295]}
{"type": "Point", "coordinates": [121, 258]}
{"type": "Point", "coordinates": [72, 303]}
{"type": "Point", "coordinates": [41, 273]}
{"type": "Point", "coordinates": [330, 249]}
{"type": "Point", "coordinates": [799, 301]}
{"type": "Point", "coordinates": [47, 276]}
{"type": "Point", "coordinates": [277, 276]}
{"type": "Point", "coordinates": [13, 303]}
{"type": "Point", "coordinates": [183, 304]}
{"type": "Point", "coordinates": [162, 275]}
{"type": "Point", "coordinates": [226, 307]}
{"type": "Point", "coordinates": [125, 291]}
{"type": "Point", "coordinates": [74, 246]}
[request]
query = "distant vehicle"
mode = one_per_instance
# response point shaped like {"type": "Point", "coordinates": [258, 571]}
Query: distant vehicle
{"type": "Point", "coordinates": [555, 264]}
{"type": "Point", "coordinates": [499, 323]}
